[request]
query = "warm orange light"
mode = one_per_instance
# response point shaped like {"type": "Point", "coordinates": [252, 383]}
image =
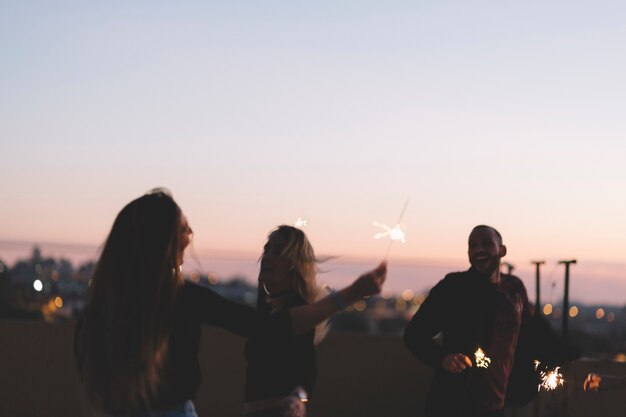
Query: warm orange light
{"type": "Point", "coordinates": [599, 313]}
{"type": "Point", "coordinates": [213, 278]}
{"type": "Point", "coordinates": [387, 294]}
{"type": "Point", "coordinates": [547, 309]}
{"type": "Point", "coordinates": [58, 301]}
{"type": "Point", "coordinates": [194, 276]}
{"type": "Point", "coordinates": [360, 305]}
{"type": "Point", "coordinates": [482, 361]}
{"type": "Point", "coordinates": [407, 295]}
{"type": "Point", "coordinates": [573, 311]}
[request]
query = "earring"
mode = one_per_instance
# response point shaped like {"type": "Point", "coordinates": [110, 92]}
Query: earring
{"type": "Point", "coordinates": [265, 289]}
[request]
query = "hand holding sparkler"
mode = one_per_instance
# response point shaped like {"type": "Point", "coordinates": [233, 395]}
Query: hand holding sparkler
{"type": "Point", "coordinates": [456, 362]}
{"type": "Point", "coordinates": [304, 317]}
{"type": "Point", "coordinates": [369, 283]}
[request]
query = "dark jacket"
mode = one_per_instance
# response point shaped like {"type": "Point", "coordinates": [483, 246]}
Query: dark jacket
{"type": "Point", "coordinates": [469, 312]}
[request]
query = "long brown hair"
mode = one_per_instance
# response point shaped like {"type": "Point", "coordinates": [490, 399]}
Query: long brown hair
{"type": "Point", "coordinates": [130, 305]}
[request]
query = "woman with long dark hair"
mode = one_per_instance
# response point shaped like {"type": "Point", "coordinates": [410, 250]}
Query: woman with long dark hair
{"type": "Point", "coordinates": [137, 344]}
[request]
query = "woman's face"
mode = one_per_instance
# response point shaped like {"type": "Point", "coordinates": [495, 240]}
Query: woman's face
{"type": "Point", "coordinates": [185, 238]}
{"type": "Point", "coordinates": [275, 266]}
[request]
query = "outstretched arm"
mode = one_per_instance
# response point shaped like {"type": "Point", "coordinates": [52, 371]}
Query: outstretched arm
{"type": "Point", "coordinates": [244, 320]}
{"type": "Point", "coordinates": [307, 316]}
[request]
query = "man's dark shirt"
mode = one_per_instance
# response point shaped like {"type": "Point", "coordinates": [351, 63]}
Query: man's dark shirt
{"type": "Point", "coordinates": [469, 312]}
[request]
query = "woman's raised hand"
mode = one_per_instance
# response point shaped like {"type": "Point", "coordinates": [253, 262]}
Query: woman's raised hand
{"type": "Point", "coordinates": [371, 282]}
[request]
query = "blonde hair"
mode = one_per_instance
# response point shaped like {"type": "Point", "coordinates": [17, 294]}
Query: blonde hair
{"type": "Point", "coordinates": [303, 274]}
{"type": "Point", "coordinates": [124, 337]}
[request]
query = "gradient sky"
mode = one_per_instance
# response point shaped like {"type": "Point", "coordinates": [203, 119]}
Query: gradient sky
{"type": "Point", "coordinates": [257, 113]}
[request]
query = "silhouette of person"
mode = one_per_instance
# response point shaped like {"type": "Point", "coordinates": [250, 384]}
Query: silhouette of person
{"type": "Point", "coordinates": [479, 308]}
{"type": "Point", "coordinates": [282, 370]}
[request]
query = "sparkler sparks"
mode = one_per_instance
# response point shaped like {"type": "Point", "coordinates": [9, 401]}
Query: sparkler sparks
{"type": "Point", "coordinates": [301, 222]}
{"type": "Point", "coordinates": [482, 361]}
{"type": "Point", "coordinates": [394, 233]}
{"type": "Point", "coordinates": [550, 379]}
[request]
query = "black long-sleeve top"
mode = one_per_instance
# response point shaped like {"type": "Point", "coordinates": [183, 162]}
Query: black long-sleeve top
{"type": "Point", "coordinates": [195, 306]}
{"type": "Point", "coordinates": [279, 362]}
{"type": "Point", "coordinates": [469, 312]}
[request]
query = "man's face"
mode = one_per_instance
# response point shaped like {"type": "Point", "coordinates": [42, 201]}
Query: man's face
{"type": "Point", "coordinates": [485, 251]}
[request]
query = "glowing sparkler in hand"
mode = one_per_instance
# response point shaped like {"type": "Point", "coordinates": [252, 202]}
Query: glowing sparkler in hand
{"type": "Point", "coordinates": [394, 233]}
{"type": "Point", "coordinates": [482, 361]}
{"type": "Point", "coordinates": [550, 379]}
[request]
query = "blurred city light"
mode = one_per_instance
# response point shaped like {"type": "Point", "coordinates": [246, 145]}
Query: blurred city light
{"type": "Point", "coordinates": [360, 305]}
{"type": "Point", "coordinates": [400, 304]}
{"type": "Point", "coordinates": [213, 278]}
{"type": "Point", "coordinates": [407, 295]}
{"type": "Point", "coordinates": [38, 285]}
{"type": "Point", "coordinates": [194, 276]}
{"type": "Point", "coordinates": [547, 309]}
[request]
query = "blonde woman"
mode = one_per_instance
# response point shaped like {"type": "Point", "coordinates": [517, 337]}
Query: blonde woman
{"type": "Point", "coordinates": [137, 344]}
{"type": "Point", "coordinates": [282, 368]}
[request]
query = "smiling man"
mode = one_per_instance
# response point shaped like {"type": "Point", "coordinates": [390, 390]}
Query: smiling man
{"type": "Point", "coordinates": [480, 308]}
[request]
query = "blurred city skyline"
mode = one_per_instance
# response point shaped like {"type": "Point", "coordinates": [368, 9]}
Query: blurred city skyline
{"type": "Point", "coordinates": [590, 283]}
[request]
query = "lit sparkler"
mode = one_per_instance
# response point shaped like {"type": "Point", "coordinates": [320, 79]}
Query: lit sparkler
{"type": "Point", "coordinates": [482, 361]}
{"type": "Point", "coordinates": [301, 222]}
{"type": "Point", "coordinates": [550, 379]}
{"type": "Point", "coordinates": [394, 233]}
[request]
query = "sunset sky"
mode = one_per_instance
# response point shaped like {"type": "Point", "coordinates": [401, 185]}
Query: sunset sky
{"type": "Point", "coordinates": [256, 113]}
